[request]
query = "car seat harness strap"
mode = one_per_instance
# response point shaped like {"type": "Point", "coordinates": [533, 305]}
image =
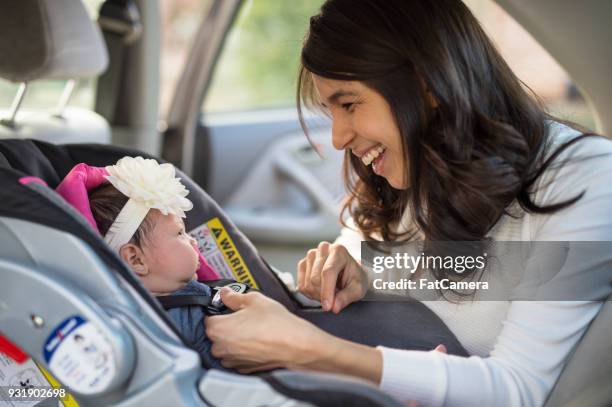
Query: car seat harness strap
{"type": "Point", "coordinates": [211, 304]}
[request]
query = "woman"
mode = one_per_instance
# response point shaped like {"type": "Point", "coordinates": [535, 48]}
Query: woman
{"type": "Point", "coordinates": [443, 143]}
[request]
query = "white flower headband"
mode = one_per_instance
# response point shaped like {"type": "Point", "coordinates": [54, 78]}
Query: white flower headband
{"type": "Point", "coordinates": [148, 185]}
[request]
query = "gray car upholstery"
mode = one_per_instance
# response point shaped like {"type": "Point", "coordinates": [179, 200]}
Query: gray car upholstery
{"type": "Point", "coordinates": [588, 372]}
{"type": "Point", "coordinates": [41, 40]}
{"type": "Point", "coordinates": [49, 39]}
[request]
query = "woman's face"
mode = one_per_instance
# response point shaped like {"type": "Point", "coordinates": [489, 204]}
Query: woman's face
{"type": "Point", "coordinates": [364, 124]}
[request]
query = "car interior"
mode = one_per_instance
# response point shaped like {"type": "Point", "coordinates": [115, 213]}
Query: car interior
{"type": "Point", "coordinates": [55, 270]}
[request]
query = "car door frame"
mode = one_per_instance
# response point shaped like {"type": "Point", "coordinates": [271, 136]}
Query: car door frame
{"type": "Point", "coordinates": [181, 135]}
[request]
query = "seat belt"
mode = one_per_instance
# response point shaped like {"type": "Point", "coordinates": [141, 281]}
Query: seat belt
{"type": "Point", "coordinates": [212, 303]}
{"type": "Point", "coordinates": [121, 26]}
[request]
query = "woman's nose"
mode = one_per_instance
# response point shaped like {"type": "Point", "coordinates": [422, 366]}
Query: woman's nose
{"type": "Point", "coordinates": [342, 133]}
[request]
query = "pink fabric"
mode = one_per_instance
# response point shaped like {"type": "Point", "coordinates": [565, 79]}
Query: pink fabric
{"type": "Point", "coordinates": [206, 272]}
{"type": "Point", "coordinates": [84, 178]}
{"type": "Point", "coordinates": [75, 187]}
{"type": "Point", "coordinates": [31, 179]}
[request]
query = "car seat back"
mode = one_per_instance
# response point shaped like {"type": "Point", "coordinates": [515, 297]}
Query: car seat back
{"type": "Point", "coordinates": [586, 376]}
{"type": "Point", "coordinates": [50, 40]}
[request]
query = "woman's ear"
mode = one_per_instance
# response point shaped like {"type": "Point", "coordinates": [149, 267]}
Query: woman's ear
{"type": "Point", "coordinates": [134, 257]}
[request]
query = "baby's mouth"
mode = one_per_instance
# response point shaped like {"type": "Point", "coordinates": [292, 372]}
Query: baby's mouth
{"type": "Point", "coordinates": [372, 155]}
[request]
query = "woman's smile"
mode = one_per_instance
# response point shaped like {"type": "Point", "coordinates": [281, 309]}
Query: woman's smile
{"type": "Point", "coordinates": [378, 163]}
{"type": "Point", "coordinates": [374, 156]}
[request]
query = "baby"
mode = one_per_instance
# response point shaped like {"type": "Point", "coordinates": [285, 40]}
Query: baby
{"type": "Point", "coordinates": [138, 206]}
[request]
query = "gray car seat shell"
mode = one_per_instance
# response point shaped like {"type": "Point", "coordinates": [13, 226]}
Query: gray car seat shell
{"type": "Point", "coordinates": [152, 361]}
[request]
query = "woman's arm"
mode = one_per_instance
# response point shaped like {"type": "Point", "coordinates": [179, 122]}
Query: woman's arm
{"type": "Point", "coordinates": [537, 337]}
{"type": "Point", "coordinates": [521, 370]}
{"type": "Point", "coordinates": [334, 355]}
{"type": "Point", "coordinates": [262, 334]}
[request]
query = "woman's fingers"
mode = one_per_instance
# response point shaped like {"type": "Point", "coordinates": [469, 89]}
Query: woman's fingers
{"type": "Point", "coordinates": [234, 300]}
{"type": "Point", "coordinates": [246, 367]}
{"type": "Point", "coordinates": [301, 274]}
{"type": "Point", "coordinates": [347, 295]}
{"type": "Point", "coordinates": [317, 266]}
{"type": "Point", "coordinates": [309, 271]}
{"type": "Point", "coordinates": [248, 370]}
{"type": "Point", "coordinates": [310, 258]}
{"type": "Point", "coordinates": [335, 264]}
{"type": "Point", "coordinates": [319, 276]}
{"type": "Point", "coordinates": [441, 348]}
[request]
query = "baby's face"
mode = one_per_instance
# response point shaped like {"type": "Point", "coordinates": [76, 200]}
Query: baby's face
{"type": "Point", "coordinates": [170, 254]}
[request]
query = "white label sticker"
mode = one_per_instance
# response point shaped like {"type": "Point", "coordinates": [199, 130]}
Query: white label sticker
{"type": "Point", "coordinates": [211, 252]}
{"type": "Point", "coordinates": [20, 376]}
{"type": "Point", "coordinates": [80, 356]}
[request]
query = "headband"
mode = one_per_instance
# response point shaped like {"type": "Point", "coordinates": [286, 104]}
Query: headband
{"type": "Point", "coordinates": [148, 185]}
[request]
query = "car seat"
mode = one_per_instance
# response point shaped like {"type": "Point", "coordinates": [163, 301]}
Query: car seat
{"type": "Point", "coordinates": [50, 252]}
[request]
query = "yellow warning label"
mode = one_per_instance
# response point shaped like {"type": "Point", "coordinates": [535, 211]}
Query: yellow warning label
{"type": "Point", "coordinates": [68, 401]}
{"type": "Point", "coordinates": [232, 256]}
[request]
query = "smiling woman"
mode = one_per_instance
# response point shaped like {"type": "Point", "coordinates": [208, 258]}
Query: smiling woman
{"type": "Point", "coordinates": [454, 113]}
{"type": "Point", "coordinates": [442, 143]}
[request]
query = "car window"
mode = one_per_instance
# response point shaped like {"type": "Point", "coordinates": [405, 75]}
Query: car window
{"type": "Point", "coordinates": [258, 65]}
{"type": "Point", "coordinates": [45, 94]}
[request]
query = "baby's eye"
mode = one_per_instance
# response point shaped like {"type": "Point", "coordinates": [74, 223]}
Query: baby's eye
{"type": "Point", "coordinates": [348, 106]}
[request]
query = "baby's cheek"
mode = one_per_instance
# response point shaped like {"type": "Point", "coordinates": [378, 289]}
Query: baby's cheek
{"type": "Point", "coordinates": [195, 256]}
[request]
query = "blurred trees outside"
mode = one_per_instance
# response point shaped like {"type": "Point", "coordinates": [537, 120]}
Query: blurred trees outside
{"type": "Point", "coordinates": [259, 62]}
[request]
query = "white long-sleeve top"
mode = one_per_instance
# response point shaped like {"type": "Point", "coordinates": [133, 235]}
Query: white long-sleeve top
{"type": "Point", "coordinates": [518, 348]}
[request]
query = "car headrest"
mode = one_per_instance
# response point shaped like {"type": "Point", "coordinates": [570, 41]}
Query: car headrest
{"type": "Point", "coordinates": [41, 39]}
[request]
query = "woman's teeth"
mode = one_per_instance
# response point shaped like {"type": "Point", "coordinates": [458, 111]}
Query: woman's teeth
{"type": "Point", "coordinates": [372, 155]}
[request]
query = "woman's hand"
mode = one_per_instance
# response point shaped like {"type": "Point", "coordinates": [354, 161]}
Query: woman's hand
{"type": "Point", "coordinates": [330, 274]}
{"type": "Point", "coordinates": [261, 335]}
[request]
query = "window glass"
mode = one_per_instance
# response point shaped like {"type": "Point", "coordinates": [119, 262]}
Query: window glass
{"type": "Point", "coordinates": [45, 94]}
{"type": "Point", "coordinates": [258, 64]}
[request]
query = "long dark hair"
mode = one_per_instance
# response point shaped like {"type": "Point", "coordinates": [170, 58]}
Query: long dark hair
{"type": "Point", "coordinates": [472, 155]}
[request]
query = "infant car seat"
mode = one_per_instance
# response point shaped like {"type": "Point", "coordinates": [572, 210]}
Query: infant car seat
{"type": "Point", "coordinates": [58, 274]}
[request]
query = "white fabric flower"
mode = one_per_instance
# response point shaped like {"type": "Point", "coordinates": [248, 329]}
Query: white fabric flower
{"type": "Point", "coordinates": [148, 185]}
{"type": "Point", "coordinates": [151, 184]}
